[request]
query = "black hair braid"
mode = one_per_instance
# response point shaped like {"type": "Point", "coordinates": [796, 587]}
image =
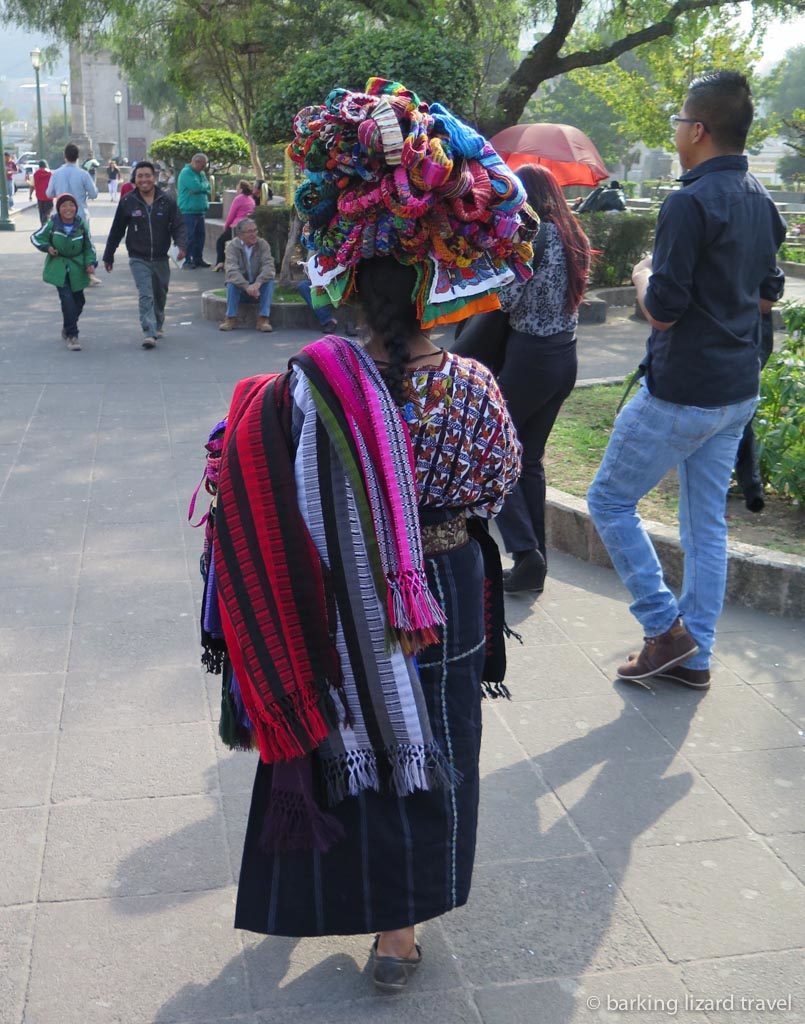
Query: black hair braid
{"type": "Point", "coordinates": [384, 292]}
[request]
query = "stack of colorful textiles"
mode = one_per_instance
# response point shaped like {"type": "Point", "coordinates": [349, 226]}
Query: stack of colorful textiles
{"type": "Point", "coordinates": [387, 175]}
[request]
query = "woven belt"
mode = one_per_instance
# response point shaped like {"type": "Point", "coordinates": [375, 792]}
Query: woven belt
{"type": "Point", "coordinates": [440, 538]}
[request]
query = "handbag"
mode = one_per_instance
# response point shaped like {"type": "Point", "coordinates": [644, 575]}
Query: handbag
{"type": "Point", "coordinates": [483, 337]}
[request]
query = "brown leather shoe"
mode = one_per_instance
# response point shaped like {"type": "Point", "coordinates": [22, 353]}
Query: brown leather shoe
{"type": "Point", "coordinates": [264, 325]}
{"type": "Point", "coordinates": [695, 678]}
{"type": "Point", "coordinates": [229, 323]}
{"type": "Point", "coordinates": [660, 653]}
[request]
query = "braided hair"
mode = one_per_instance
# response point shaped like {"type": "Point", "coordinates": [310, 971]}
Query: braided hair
{"type": "Point", "coordinates": [385, 290]}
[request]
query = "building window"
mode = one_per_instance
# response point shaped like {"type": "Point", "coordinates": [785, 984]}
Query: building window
{"type": "Point", "coordinates": [137, 150]}
{"type": "Point", "coordinates": [136, 112]}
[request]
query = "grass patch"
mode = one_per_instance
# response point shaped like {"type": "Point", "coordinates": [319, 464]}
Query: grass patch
{"type": "Point", "coordinates": [576, 447]}
{"type": "Point", "coordinates": [280, 295]}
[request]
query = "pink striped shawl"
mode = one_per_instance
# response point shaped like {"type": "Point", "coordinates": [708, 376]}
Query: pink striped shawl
{"type": "Point", "coordinates": [387, 464]}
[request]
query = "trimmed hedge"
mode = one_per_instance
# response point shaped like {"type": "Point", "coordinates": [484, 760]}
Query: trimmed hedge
{"type": "Point", "coordinates": [273, 224]}
{"type": "Point", "coordinates": [618, 241]}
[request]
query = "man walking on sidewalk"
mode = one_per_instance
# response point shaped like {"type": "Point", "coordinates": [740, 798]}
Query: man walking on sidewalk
{"type": "Point", "coordinates": [73, 180]}
{"type": "Point", "coordinates": [712, 273]}
{"type": "Point", "coordinates": [193, 189]}
{"type": "Point", "coordinates": [41, 178]}
{"type": "Point", "coordinates": [149, 219]}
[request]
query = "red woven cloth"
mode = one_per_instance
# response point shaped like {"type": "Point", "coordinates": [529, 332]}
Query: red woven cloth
{"type": "Point", "coordinates": [271, 583]}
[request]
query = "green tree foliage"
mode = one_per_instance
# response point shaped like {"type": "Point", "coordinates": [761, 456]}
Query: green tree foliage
{"type": "Point", "coordinates": [643, 89]}
{"type": "Point", "coordinates": [221, 147]}
{"type": "Point", "coordinates": [617, 241]}
{"type": "Point", "coordinates": [432, 65]}
{"type": "Point", "coordinates": [227, 55]}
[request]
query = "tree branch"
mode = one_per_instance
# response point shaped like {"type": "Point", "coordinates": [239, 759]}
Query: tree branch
{"type": "Point", "coordinates": [543, 61]}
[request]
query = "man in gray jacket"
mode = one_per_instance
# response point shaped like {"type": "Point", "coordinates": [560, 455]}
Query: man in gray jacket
{"type": "Point", "coordinates": [249, 271]}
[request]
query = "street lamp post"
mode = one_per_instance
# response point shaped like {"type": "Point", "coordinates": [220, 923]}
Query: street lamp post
{"type": "Point", "coordinates": [118, 101]}
{"type": "Point", "coordinates": [6, 223]}
{"type": "Point", "coordinates": [65, 88]}
{"type": "Point", "coordinates": [36, 61]}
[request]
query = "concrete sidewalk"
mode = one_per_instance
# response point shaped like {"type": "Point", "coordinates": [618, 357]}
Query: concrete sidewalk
{"type": "Point", "coordinates": [634, 846]}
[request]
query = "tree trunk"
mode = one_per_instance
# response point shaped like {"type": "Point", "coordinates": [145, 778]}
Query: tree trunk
{"type": "Point", "coordinates": [290, 249]}
{"type": "Point", "coordinates": [257, 166]}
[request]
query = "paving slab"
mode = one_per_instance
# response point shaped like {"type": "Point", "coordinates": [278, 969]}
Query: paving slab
{"type": "Point", "coordinates": [656, 802]}
{"type": "Point", "coordinates": [30, 703]}
{"type": "Point", "coordinates": [536, 920]}
{"type": "Point", "coordinates": [748, 987]}
{"type": "Point", "coordinates": [652, 995]}
{"type": "Point", "coordinates": [27, 760]}
{"type": "Point", "coordinates": [764, 786]}
{"type": "Point", "coordinates": [168, 845]}
{"type": "Point", "coordinates": [16, 939]}
{"type": "Point", "coordinates": [712, 899]}
{"type": "Point", "coordinates": [96, 961]}
{"type": "Point", "coordinates": [160, 760]}
{"type": "Point", "coordinates": [134, 698]}
{"type": "Point", "coordinates": [22, 839]}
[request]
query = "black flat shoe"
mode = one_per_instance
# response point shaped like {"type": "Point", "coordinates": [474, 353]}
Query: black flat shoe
{"type": "Point", "coordinates": [527, 576]}
{"type": "Point", "coordinates": [391, 973]}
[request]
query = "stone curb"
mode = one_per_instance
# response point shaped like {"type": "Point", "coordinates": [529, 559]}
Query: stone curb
{"type": "Point", "coordinates": [792, 269]}
{"type": "Point", "coordinates": [758, 578]}
{"type": "Point", "coordinates": [284, 315]}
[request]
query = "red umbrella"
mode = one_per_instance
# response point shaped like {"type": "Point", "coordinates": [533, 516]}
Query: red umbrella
{"type": "Point", "coordinates": [567, 151]}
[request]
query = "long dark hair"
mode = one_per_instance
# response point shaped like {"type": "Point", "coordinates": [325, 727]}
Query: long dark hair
{"type": "Point", "coordinates": [384, 294]}
{"type": "Point", "coordinates": [547, 199]}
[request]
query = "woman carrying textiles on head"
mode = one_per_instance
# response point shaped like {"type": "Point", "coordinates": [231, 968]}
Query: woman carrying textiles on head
{"type": "Point", "coordinates": [539, 370]}
{"type": "Point", "coordinates": [353, 598]}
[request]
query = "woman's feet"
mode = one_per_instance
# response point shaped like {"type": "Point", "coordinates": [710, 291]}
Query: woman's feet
{"type": "Point", "coordinates": [395, 957]}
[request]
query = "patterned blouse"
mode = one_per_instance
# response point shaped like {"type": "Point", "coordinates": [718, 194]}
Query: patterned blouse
{"type": "Point", "coordinates": [465, 445]}
{"type": "Point", "coordinates": [538, 306]}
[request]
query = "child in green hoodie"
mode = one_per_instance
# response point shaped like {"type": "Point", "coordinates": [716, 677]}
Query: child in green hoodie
{"type": "Point", "coordinates": [70, 261]}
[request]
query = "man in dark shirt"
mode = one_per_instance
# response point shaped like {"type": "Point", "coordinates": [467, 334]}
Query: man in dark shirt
{"type": "Point", "coordinates": [713, 272]}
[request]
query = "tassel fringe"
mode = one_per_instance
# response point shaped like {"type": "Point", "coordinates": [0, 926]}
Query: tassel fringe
{"type": "Point", "coordinates": [293, 823]}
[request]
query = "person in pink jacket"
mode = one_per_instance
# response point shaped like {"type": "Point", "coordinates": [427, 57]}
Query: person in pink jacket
{"type": "Point", "coordinates": [242, 206]}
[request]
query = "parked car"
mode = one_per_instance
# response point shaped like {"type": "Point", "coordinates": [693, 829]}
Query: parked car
{"type": "Point", "coordinates": [24, 178]}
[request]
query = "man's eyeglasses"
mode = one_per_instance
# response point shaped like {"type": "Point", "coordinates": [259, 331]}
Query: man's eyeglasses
{"type": "Point", "coordinates": [675, 119]}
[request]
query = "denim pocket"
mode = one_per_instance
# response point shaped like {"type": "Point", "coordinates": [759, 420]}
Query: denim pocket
{"type": "Point", "coordinates": [692, 426]}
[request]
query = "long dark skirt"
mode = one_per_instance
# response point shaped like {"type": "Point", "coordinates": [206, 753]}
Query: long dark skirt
{"type": "Point", "coordinates": [404, 860]}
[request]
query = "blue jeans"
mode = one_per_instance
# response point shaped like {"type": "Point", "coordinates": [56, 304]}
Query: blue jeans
{"type": "Point", "coordinates": [10, 191]}
{"type": "Point", "coordinates": [651, 437]}
{"type": "Point", "coordinates": [194, 226]}
{"type": "Point", "coordinates": [324, 314]}
{"type": "Point", "coordinates": [72, 304]}
{"type": "Point", "coordinates": [235, 295]}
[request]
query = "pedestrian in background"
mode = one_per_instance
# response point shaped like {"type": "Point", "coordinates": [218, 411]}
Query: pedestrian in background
{"type": "Point", "coordinates": [11, 170]}
{"type": "Point", "coordinates": [74, 180]}
{"type": "Point", "coordinates": [250, 276]}
{"type": "Point", "coordinates": [242, 206]}
{"type": "Point", "coordinates": [42, 176]}
{"type": "Point", "coordinates": [194, 200]}
{"type": "Point", "coordinates": [150, 221]}
{"type": "Point", "coordinates": [712, 273]}
{"type": "Point", "coordinates": [70, 263]}
{"type": "Point", "coordinates": [113, 177]}
{"type": "Point", "coordinates": [539, 369]}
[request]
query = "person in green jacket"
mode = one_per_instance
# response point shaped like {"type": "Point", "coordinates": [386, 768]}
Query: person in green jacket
{"type": "Point", "coordinates": [193, 188]}
{"type": "Point", "coordinates": [69, 264]}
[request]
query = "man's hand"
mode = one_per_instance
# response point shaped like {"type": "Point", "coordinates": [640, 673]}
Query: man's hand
{"type": "Point", "coordinates": [180, 255]}
{"type": "Point", "coordinates": [108, 267]}
{"type": "Point", "coordinates": [644, 265]}
{"type": "Point", "coordinates": [91, 269]}
{"type": "Point", "coordinates": [253, 290]}
{"type": "Point", "coordinates": [52, 251]}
